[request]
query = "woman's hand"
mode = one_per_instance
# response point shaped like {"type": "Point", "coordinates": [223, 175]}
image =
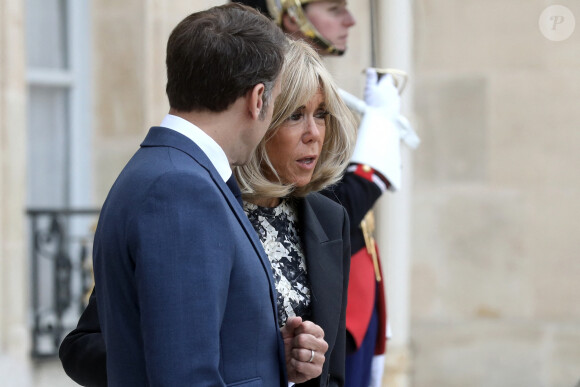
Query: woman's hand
{"type": "Point", "coordinates": [304, 347]}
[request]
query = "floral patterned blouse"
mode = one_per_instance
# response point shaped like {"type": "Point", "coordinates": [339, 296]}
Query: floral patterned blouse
{"type": "Point", "coordinates": [277, 228]}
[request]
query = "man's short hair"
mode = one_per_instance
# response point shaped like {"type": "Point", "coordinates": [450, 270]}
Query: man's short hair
{"type": "Point", "coordinates": [217, 55]}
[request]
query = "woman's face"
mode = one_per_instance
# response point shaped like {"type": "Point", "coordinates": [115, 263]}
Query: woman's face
{"type": "Point", "coordinates": [295, 148]}
{"type": "Point", "coordinates": [332, 19]}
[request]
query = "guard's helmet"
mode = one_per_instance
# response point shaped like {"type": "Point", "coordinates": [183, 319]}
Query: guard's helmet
{"type": "Point", "coordinates": [276, 8]}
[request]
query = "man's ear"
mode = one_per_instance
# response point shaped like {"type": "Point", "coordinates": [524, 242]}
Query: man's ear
{"type": "Point", "coordinates": [254, 100]}
{"type": "Point", "coordinates": [289, 24]}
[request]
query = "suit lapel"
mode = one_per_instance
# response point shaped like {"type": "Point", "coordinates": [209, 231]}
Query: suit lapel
{"type": "Point", "coordinates": [159, 136]}
{"type": "Point", "coordinates": [324, 262]}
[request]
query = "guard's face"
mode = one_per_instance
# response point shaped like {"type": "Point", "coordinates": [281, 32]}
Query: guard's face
{"type": "Point", "coordinates": [332, 19]}
{"type": "Point", "coordinates": [295, 148]}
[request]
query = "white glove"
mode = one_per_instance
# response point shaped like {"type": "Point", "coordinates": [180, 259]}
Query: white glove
{"type": "Point", "coordinates": [382, 94]}
{"type": "Point", "coordinates": [406, 131]}
{"type": "Point", "coordinates": [378, 139]}
{"type": "Point", "coordinates": [378, 145]}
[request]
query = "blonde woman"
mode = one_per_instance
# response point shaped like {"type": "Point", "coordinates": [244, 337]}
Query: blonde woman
{"type": "Point", "coordinates": [304, 234]}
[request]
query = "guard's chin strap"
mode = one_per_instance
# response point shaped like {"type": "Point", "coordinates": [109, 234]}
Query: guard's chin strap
{"type": "Point", "coordinates": [324, 44]}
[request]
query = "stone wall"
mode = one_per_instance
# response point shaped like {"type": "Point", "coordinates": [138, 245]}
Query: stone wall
{"type": "Point", "coordinates": [13, 264]}
{"type": "Point", "coordinates": [495, 231]}
{"type": "Point", "coordinates": [130, 38]}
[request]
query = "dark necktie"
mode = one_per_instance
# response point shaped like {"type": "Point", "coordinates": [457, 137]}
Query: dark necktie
{"type": "Point", "coordinates": [233, 186]}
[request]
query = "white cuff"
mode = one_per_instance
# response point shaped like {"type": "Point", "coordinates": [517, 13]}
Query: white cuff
{"type": "Point", "coordinates": [377, 370]}
{"type": "Point", "coordinates": [378, 146]}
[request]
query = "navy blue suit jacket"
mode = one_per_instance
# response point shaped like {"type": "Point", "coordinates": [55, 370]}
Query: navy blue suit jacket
{"type": "Point", "coordinates": [184, 291]}
{"type": "Point", "coordinates": [324, 233]}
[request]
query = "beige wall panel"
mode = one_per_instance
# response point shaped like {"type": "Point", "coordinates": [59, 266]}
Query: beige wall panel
{"type": "Point", "coordinates": [130, 40]}
{"type": "Point", "coordinates": [491, 354]}
{"type": "Point", "coordinates": [534, 134]}
{"type": "Point", "coordinates": [119, 60]}
{"type": "Point", "coordinates": [563, 55]}
{"type": "Point", "coordinates": [562, 366]}
{"type": "Point", "coordinates": [452, 125]}
{"type": "Point", "coordinates": [471, 255]}
{"type": "Point", "coordinates": [480, 354]}
{"type": "Point", "coordinates": [495, 225]}
{"type": "Point", "coordinates": [118, 96]}
{"type": "Point", "coordinates": [13, 137]}
{"type": "Point", "coordinates": [552, 236]}
{"type": "Point", "coordinates": [468, 35]}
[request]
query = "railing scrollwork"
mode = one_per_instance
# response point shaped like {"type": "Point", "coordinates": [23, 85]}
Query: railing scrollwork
{"type": "Point", "coordinates": [61, 273]}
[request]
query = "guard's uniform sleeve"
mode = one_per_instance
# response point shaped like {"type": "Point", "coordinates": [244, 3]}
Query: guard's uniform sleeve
{"type": "Point", "coordinates": [357, 191]}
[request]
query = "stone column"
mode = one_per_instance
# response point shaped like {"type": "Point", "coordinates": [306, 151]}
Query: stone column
{"type": "Point", "coordinates": [394, 49]}
{"type": "Point", "coordinates": [14, 336]}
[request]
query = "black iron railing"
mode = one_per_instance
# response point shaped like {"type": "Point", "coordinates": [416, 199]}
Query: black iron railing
{"type": "Point", "coordinates": [61, 268]}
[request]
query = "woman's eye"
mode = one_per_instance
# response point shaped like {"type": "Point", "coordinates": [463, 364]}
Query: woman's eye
{"type": "Point", "coordinates": [321, 114]}
{"type": "Point", "coordinates": [295, 116]}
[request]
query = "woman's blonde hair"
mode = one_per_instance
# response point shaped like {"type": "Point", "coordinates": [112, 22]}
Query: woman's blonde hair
{"type": "Point", "coordinates": [303, 74]}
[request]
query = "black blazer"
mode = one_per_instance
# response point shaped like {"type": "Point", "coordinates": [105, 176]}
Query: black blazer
{"type": "Point", "coordinates": [324, 232]}
{"type": "Point", "coordinates": [324, 228]}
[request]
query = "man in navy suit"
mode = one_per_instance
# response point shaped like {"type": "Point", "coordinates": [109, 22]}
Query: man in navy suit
{"type": "Point", "coordinates": [185, 292]}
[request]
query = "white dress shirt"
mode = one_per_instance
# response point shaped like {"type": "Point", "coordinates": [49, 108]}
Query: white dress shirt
{"type": "Point", "coordinates": [207, 144]}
